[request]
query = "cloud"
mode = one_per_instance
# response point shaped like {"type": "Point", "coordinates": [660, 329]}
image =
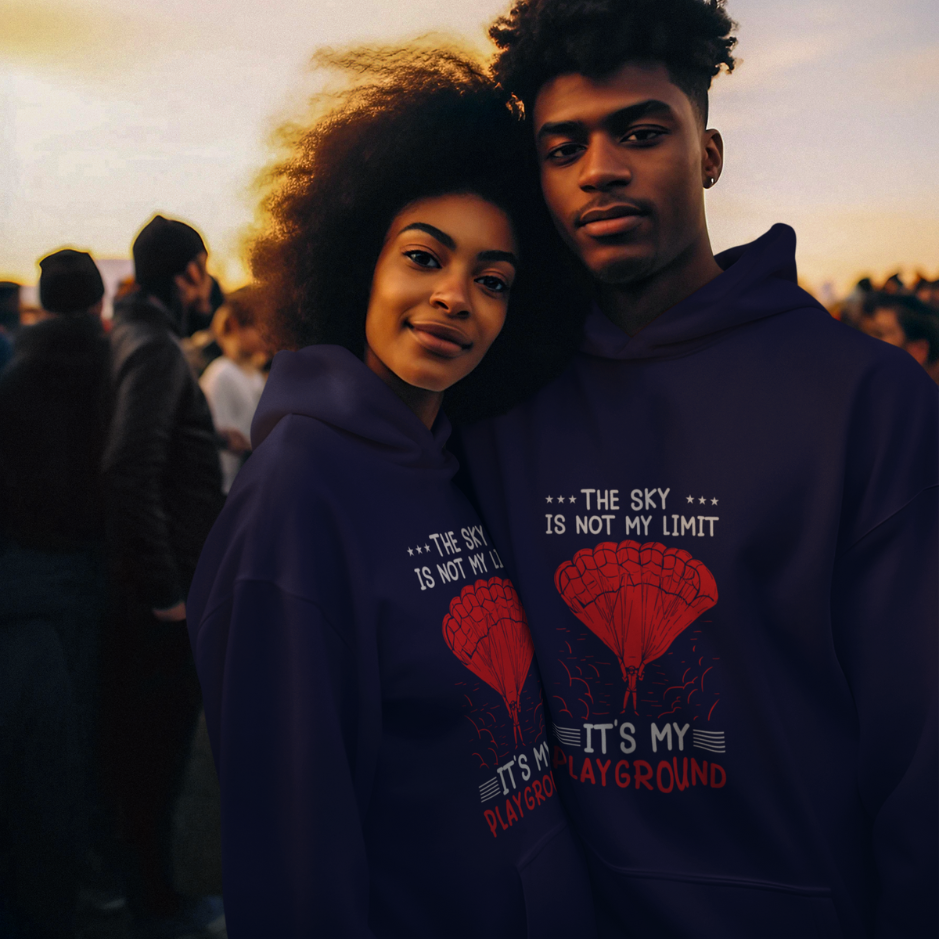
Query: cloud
{"type": "Point", "coordinates": [90, 41]}
{"type": "Point", "coordinates": [906, 75]}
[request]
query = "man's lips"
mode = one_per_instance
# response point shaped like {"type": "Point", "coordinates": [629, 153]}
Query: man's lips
{"type": "Point", "coordinates": [613, 220]}
{"type": "Point", "coordinates": [440, 339]}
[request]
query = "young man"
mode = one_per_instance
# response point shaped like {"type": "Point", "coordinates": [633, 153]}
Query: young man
{"type": "Point", "coordinates": [722, 520]}
{"type": "Point", "coordinates": [163, 492]}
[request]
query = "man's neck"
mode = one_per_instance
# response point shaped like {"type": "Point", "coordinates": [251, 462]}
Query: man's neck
{"type": "Point", "coordinates": [633, 306]}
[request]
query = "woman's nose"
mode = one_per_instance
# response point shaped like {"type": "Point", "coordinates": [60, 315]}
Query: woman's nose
{"type": "Point", "coordinates": [452, 296]}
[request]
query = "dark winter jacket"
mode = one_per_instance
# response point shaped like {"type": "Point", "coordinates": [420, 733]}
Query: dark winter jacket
{"type": "Point", "coordinates": [53, 421]}
{"type": "Point", "coordinates": [162, 476]}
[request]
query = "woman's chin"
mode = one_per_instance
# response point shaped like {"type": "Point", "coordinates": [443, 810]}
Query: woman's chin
{"type": "Point", "coordinates": [434, 379]}
{"type": "Point", "coordinates": [432, 384]}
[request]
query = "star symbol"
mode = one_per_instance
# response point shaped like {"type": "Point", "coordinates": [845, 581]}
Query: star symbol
{"type": "Point", "coordinates": [691, 499]}
{"type": "Point", "coordinates": [427, 549]}
{"type": "Point", "coordinates": [560, 498]}
{"type": "Point", "coordinates": [713, 501]}
{"type": "Point", "coordinates": [418, 549]}
{"type": "Point", "coordinates": [410, 553]}
{"type": "Point", "coordinates": [572, 499]}
{"type": "Point", "coordinates": [702, 500]}
{"type": "Point", "coordinates": [548, 499]}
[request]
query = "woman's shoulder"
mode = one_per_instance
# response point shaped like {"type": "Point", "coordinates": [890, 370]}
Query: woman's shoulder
{"type": "Point", "coordinates": [286, 521]}
{"type": "Point", "coordinates": [305, 452]}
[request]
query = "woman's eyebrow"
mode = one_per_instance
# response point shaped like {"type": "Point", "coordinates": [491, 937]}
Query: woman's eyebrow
{"type": "Point", "coordinates": [498, 256]}
{"type": "Point", "coordinates": [435, 233]}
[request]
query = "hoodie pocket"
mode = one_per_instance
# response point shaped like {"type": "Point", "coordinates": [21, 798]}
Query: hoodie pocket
{"type": "Point", "coordinates": [558, 899]}
{"type": "Point", "coordinates": [661, 904]}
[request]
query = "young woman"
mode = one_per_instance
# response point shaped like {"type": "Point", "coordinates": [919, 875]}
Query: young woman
{"type": "Point", "coordinates": [374, 710]}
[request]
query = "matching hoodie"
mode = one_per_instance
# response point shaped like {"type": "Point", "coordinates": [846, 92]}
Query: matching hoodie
{"type": "Point", "coordinates": [373, 705]}
{"type": "Point", "coordinates": [724, 530]}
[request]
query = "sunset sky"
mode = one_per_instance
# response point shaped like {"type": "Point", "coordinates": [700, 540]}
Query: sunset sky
{"type": "Point", "coordinates": [110, 111]}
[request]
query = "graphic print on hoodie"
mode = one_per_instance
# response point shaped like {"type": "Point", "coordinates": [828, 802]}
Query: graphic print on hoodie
{"type": "Point", "coordinates": [724, 533]}
{"type": "Point", "coordinates": [370, 692]}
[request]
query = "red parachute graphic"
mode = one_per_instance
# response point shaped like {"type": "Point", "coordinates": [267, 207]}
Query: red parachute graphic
{"type": "Point", "coordinates": [487, 630]}
{"type": "Point", "coordinates": [636, 598]}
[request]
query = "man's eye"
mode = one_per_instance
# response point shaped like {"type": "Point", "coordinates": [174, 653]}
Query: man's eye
{"type": "Point", "coordinates": [495, 284]}
{"type": "Point", "coordinates": [565, 151]}
{"type": "Point", "coordinates": [422, 258]}
{"type": "Point", "coordinates": [643, 135]}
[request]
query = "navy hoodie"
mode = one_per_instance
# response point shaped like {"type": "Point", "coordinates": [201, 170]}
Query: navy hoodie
{"type": "Point", "coordinates": [724, 533]}
{"type": "Point", "coordinates": [373, 706]}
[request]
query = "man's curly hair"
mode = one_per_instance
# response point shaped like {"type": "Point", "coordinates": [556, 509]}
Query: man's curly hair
{"type": "Point", "coordinates": [414, 124]}
{"type": "Point", "coordinates": [541, 39]}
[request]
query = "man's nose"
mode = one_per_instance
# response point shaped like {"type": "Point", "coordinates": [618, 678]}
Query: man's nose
{"type": "Point", "coordinates": [603, 165]}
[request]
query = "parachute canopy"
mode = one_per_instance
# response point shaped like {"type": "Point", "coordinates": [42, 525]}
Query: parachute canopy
{"type": "Point", "coordinates": [487, 630]}
{"type": "Point", "coordinates": [636, 598]}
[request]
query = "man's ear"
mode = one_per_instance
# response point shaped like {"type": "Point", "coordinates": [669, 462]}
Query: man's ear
{"type": "Point", "coordinates": [712, 161]}
{"type": "Point", "coordinates": [919, 349]}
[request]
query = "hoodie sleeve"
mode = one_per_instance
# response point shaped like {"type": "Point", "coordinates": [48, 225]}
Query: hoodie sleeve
{"type": "Point", "coordinates": [282, 707]}
{"type": "Point", "coordinates": [885, 616]}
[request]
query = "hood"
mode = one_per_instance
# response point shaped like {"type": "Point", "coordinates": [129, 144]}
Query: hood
{"type": "Point", "coordinates": [330, 384]}
{"type": "Point", "coordinates": [758, 280]}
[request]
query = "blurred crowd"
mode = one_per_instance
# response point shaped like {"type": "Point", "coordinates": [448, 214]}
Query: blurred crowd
{"type": "Point", "coordinates": [119, 440]}
{"type": "Point", "coordinates": [905, 316]}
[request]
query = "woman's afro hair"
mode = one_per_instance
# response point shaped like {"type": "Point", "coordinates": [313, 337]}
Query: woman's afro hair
{"type": "Point", "coordinates": [541, 39]}
{"type": "Point", "coordinates": [413, 124]}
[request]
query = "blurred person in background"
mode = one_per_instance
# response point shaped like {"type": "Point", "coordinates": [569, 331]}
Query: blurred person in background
{"type": "Point", "coordinates": [9, 318]}
{"type": "Point", "coordinates": [30, 315]}
{"type": "Point", "coordinates": [894, 285]}
{"type": "Point", "coordinates": [163, 492]}
{"type": "Point", "coordinates": [201, 319]}
{"type": "Point", "coordinates": [199, 342]}
{"type": "Point", "coordinates": [233, 382]}
{"type": "Point", "coordinates": [928, 292]}
{"type": "Point", "coordinates": [906, 322]}
{"type": "Point", "coordinates": [125, 287]}
{"type": "Point", "coordinates": [53, 423]}
{"type": "Point", "coordinates": [852, 307]}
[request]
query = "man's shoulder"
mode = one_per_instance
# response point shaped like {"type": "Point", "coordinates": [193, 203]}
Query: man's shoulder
{"type": "Point", "coordinates": [828, 348]}
{"type": "Point", "coordinates": [144, 342]}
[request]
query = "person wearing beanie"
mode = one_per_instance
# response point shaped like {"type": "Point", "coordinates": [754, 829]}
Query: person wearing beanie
{"type": "Point", "coordinates": [53, 422]}
{"type": "Point", "coordinates": [162, 493]}
{"type": "Point", "coordinates": [9, 319]}
{"type": "Point", "coordinates": [70, 282]}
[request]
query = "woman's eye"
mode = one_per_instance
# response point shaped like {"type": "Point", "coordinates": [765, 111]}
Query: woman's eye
{"type": "Point", "coordinates": [495, 284]}
{"type": "Point", "coordinates": [422, 258]}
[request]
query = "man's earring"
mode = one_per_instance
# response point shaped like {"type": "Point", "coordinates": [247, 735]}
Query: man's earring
{"type": "Point", "coordinates": [709, 181]}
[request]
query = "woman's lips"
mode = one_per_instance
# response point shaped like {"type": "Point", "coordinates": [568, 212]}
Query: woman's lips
{"type": "Point", "coordinates": [440, 339]}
